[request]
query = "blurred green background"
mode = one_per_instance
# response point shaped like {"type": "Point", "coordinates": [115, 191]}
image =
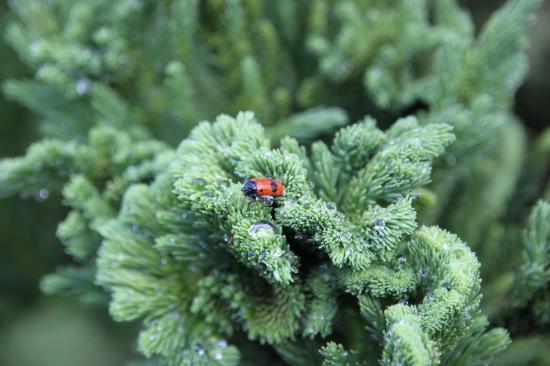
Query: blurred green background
{"type": "Point", "coordinates": [36, 330]}
{"type": "Point", "coordinates": [43, 331]}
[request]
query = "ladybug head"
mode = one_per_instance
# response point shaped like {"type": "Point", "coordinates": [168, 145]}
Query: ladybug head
{"type": "Point", "coordinates": [249, 188]}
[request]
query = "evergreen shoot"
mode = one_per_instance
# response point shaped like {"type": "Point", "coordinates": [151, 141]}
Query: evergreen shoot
{"type": "Point", "coordinates": [407, 178]}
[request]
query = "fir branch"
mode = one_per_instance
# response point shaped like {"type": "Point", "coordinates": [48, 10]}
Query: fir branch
{"type": "Point", "coordinates": [183, 250]}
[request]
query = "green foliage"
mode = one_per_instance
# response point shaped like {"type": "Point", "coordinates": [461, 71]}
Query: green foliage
{"type": "Point", "coordinates": [348, 267]}
{"type": "Point", "coordinates": [336, 355]}
{"type": "Point", "coordinates": [142, 63]}
{"type": "Point", "coordinates": [92, 175]}
{"type": "Point", "coordinates": [528, 293]}
{"type": "Point", "coordinates": [202, 257]}
{"type": "Point", "coordinates": [472, 90]}
{"type": "Point", "coordinates": [533, 276]}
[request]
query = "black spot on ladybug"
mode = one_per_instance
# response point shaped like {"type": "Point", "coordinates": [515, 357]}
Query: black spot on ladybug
{"type": "Point", "coordinates": [260, 190]}
{"type": "Point", "coordinates": [273, 187]}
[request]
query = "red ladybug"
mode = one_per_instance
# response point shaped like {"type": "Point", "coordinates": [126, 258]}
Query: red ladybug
{"type": "Point", "coordinates": [263, 189]}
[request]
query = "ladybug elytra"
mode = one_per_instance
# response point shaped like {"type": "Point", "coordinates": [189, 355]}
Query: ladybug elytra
{"type": "Point", "coordinates": [263, 189]}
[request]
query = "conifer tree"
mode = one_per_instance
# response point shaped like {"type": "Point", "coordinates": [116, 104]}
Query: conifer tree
{"type": "Point", "coordinates": [389, 125]}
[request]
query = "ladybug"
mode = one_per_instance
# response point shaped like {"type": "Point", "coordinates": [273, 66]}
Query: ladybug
{"type": "Point", "coordinates": [263, 189]}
